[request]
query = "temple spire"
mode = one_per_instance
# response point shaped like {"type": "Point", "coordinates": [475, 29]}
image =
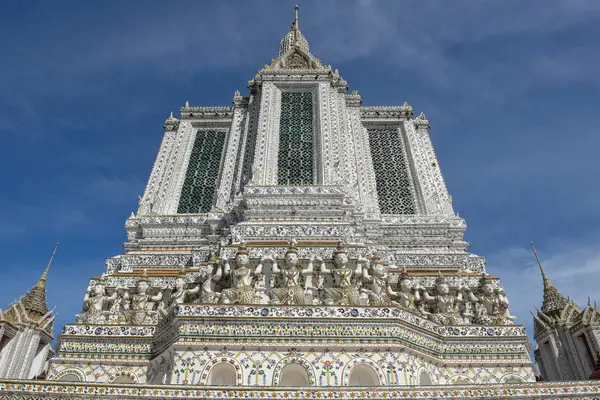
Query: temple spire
{"type": "Point", "coordinates": [295, 26]}
{"type": "Point", "coordinates": [554, 301]}
{"type": "Point", "coordinates": [42, 282]}
{"type": "Point", "coordinates": [546, 280]}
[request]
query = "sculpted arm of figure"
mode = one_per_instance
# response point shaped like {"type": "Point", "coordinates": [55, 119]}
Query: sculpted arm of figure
{"type": "Point", "coordinates": [361, 265]}
{"type": "Point", "coordinates": [365, 274]}
{"type": "Point", "coordinates": [86, 297]}
{"type": "Point", "coordinates": [206, 285]}
{"type": "Point", "coordinates": [390, 291]}
{"type": "Point", "coordinates": [275, 268]}
{"type": "Point", "coordinates": [258, 270]}
{"type": "Point", "coordinates": [193, 290]}
{"type": "Point", "coordinates": [126, 302]}
{"type": "Point", "coordinates": [459, 296]}
{"type": "Point", "coordinates": [219, 274]}
{"type": "Point", "coordinates": [417, 295]}
{"type": "Point", "coordinates": [158, 296]}
{"type": "Point", "coordinates": [324, 269]}
{"type": "Point", "coordinates": [427, 296]}
{"type": "Point", "coordinates": [503, 300]}
{"type": "Point", "coordinates": [112, 296]}
{"type": "Point", "coordinates": [309, 268]}
{"type": "Point", "coordinates": [470, 295]}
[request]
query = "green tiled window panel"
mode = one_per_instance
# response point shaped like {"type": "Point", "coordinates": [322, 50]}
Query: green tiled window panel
{"type": "Point", "coordinates": [198, 191]}
{"type": "Point", "coordinates": [295, 165]}
{"type": "Point", "coordinates": [391, 171]}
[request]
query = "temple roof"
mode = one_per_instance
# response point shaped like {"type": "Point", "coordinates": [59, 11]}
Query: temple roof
{"type": "Point", "coordinates": [35, 300]}
{"type": "Point", "coordinates": [32, 307]}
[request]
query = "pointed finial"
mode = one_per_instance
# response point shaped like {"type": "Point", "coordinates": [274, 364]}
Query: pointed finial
{"type": "Point", "coordinates": [187, 104]}
{"type": "Point", "coordinates": [42, 282]}
{"type": "Point", "coordinates": [296, 20]}
{"type": "Point", "coordinates": [547, 282]}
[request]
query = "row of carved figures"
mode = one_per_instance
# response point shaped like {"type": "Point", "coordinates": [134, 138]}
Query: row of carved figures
{"type": "Point", "coordinates": [344, 283]}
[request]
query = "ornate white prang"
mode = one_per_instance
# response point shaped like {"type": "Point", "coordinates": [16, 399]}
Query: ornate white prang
{"type": "Point", "coordinates": [406, 328]}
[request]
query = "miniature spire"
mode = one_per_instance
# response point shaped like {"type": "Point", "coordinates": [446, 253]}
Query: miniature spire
{"type": "Point", "coordinates": [42, 282]}
{"type": "Point", "coordinates": [170, 124]}
{"type": "Point", "coordinates": [554, 301]}
{"type": "Point", "coordinates": [35, 300]}
{"type": "Point", "coordinates": [546, 280]}
{"type": "Point", "coordinates": [293, 38]}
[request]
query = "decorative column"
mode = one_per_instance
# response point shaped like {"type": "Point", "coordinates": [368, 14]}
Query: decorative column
{"type": "Point", "coordinates": [262, 168]}
{"type": "Point", "coordinates": [174, 175]}
{"type": "Point", "coordinates": [29, 353]}
{"type": "Point", "coordinates": [16, 356]}
{"type": "Point", "coordinates": [431, 182]}
{"type": "Point", "coordinates": [149, 203]}
{"type": "Point", "coordinates": [232, 151]}
{"type": "Point", "coordinates": [367, 186]}
{"type": "Point", "coordinates": [5, 356]}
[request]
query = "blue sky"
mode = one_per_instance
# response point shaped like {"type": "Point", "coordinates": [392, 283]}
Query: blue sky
{"type": "Point", "coordinates": [511, 90]}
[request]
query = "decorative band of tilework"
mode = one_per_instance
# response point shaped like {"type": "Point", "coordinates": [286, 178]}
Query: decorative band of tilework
{"type": "Point", "coordinates": [109, 330]}
{"type": "Point", "coordinates": [402, 336]}
{"type": "Point", "coordinates": [63, 390]}
{"type": "Point", "coordinates": [345, 313]}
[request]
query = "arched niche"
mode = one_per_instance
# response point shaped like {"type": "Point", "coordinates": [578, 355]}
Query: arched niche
{"type": "Point", "coordinates": [511, 379]}
{"type": "Point", "coordinates": [425, 378]}
{"type": "Point", "coordinates": [222, 374]}
{"type": "Point", "coordinates": [363, 375]}
{"type": "Point", "coordinates": [124, 379]}
{"type": "Point", "coordinates": [294, 374]}
{"type": "Point", "coordinates": [69, 375]}
{"type": "Point", "coordinates": [69, 378]}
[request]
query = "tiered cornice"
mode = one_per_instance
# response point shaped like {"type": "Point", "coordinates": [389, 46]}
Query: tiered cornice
{"type": "Point", "coordinates": [218, 112]}
{"type": "Point", "coordinates": [403, 112]}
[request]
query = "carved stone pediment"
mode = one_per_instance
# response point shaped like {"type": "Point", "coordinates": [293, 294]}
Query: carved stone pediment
{"type": "Point", "coordinates": [296, 61]}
